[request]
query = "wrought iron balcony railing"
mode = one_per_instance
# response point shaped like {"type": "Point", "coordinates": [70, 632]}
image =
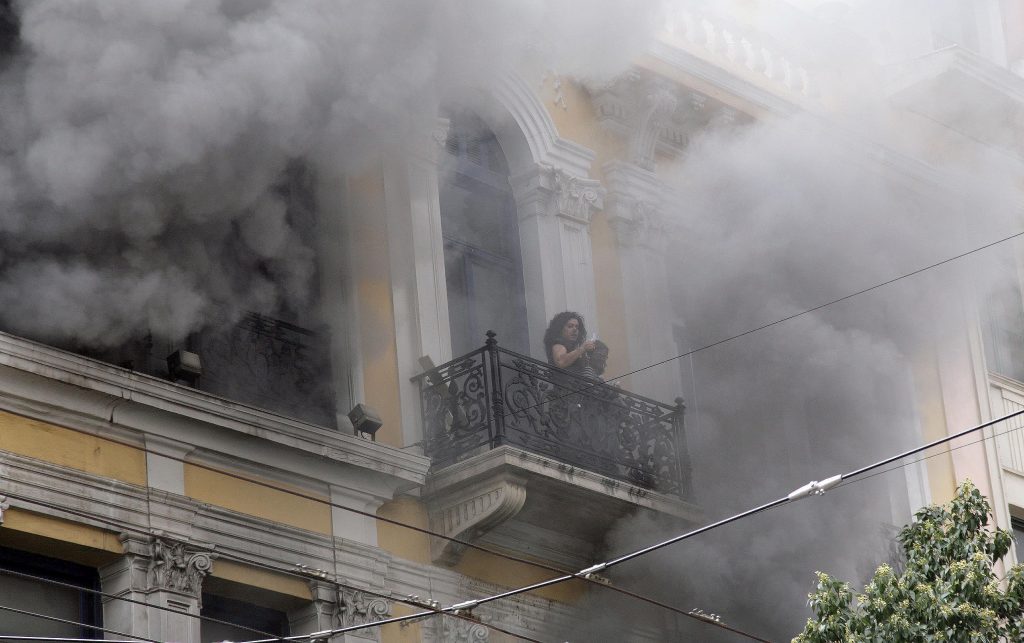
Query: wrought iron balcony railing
{"type": "Point", "coordinates": [494, 396]}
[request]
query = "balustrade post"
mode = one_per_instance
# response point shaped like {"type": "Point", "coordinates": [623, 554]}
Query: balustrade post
{"type": "Point", "coordinates": [682, 453]}
{"type": "Point", "coordinates": [497, 428]}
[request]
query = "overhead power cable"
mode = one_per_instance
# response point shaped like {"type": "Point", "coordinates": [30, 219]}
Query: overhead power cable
{"type": "Point", "coordinates": [781, 320]}
{"type": "Point", "coordinates": [813, 488]}
{"type": "Point", "coordinates": [95, 628]}
{"type": "Point", "coordinates": [96, 592]}
{"type": "Point", "coordinates": [568, 576]}
{"type": "Point", "coordinates": [241, 559]}
{"type": "Point", "coordinates": [422, 530]}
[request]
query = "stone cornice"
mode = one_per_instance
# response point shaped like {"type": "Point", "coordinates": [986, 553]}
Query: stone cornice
{"type": "Point", "coordinates": [146, 404]}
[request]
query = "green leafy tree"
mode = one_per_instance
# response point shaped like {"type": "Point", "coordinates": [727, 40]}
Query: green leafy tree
{"type": "Point", "coordinates": [947, 592]}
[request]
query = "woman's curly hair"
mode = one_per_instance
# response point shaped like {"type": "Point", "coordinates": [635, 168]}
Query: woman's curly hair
{"type": "Point", "coordinates": [553, 335]}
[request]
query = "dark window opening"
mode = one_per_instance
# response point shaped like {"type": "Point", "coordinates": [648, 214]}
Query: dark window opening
{"type": "Point", "coordinates": [41, 597]}
{"type": "Point", "coordinates": [483, 263]}
{"type": "Point", "coordinates": [9, 30]}
{"type": "Point", "coordinates": [1017, 525]}
{"type": "Point", "coordinates": [241, 613]}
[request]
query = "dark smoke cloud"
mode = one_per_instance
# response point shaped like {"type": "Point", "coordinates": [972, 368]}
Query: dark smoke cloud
{"type": "Point", "coordinates": [144, 146]}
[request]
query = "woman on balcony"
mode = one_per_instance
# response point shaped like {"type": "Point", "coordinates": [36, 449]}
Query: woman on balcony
{"type": "Point", "coordinates": [565, 342]}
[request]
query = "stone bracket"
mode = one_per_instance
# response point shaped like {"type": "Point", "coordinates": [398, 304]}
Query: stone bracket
{"type": "Point", "coordinates": [471, 511]}
{"type": "Point", "coordinates": [5, 504]}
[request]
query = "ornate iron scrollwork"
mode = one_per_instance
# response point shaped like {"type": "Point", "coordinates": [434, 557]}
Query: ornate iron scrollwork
{"type": "Point", "coordinates": [547, 410]}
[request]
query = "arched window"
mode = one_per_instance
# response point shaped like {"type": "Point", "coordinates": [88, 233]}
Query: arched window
{"type": "Point", "coordinates": [483, 264]}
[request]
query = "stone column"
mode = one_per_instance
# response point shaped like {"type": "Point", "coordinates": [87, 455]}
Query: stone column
{"type": "Point", "coordinates": [555, 209]}
{"type": "Point", "coordinates": [162, 573]}
{"type": "Point", "coordinates": [335, 606]}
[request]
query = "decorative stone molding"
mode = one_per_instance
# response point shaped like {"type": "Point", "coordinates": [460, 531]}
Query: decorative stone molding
{"type": "Point", "coordinates": [577, 197]}
{"type": "Point", "coordinates": [550, 192]}
{"type": "Point", "coordinates": [468, 512]}
{"type": "Point", "coordinates": [168, 564]}
{"type": "Point", "coordinates": [654, 114]}
{"type": "Point", "coordinates": [177, 567]}
{"type": "Point", "coordinates": [448, 629]}
{"type": "Point", "coordinates": [356, 607]}
{"type": "Point", "coordinates": [5, 504]}
{"type": "Point", "coordinates": [635, 205]}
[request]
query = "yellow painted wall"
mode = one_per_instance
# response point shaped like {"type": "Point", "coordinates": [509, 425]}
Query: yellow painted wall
{"type": "Point", "coordinates": [373, 291]}
{"type": "Point", "coordinates": [72, 449]}
{"type": "Point", "coordinates": [399, 632]}
{"type": "Point", "coordinates": [402, 542]}
{"type": "Point", "coordinates": [256, 500]}
{"type": "Point", "coordinates": [507, 573]}
{"type": "Point", "coordinates": [58, 538]}
{"type": "Point", "coordinates": [415, 546]}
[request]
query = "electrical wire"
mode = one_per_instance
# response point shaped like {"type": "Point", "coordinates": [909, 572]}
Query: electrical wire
{"type": "Point", "coordinates": [50, 639]}
{"type": "Point", "coordinates": [686, 354]}
{"type": "Point", "coordinates": [246, 560]}
{"type": "Point", "coordinates": [777, 321]}
{"type": "Point", "coordinates": [96, 592]}
{"type": "Point", "coordinates": [813, 488]}
{"type": "Point", "coordinates": [459, 541]}
{"type": "Point", "coordinates": [96, 628]}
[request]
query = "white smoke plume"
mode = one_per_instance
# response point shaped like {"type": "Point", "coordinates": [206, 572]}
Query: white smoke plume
{"type": "Point", "coordinates": [141, 140]}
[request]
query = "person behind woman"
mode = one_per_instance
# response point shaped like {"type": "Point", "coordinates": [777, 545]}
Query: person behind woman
{"type": "Point", "coordinates": [566, 343]}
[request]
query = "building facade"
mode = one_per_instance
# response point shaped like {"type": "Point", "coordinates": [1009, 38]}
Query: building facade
{"type": "Point", "coordinates": [234, 499]}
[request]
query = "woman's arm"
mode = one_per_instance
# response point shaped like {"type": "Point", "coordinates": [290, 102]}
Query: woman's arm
{"type": "Point", "coordinates": [565, 358]}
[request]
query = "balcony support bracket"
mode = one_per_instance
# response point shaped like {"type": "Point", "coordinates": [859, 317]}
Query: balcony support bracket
{"type": "Point", "coordinates": [467, 511]}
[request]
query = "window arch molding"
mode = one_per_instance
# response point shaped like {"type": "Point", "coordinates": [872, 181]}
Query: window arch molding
{"type": "Point", "coordinates": [555, 201]}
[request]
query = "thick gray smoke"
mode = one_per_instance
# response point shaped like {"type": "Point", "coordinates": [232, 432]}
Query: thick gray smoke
{"type": "Point", "coordinates": [148, 148]}
{"type": "Point", "coordinates": [775, 218]}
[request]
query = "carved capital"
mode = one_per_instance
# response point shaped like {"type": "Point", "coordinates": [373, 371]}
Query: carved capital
{"type": "Point", "coordinates": [178, 567]}
{"type": "Point", "coordinates": [166, 564]}
{"type": "Point", "coordinates": [448, 629]}
{"type": "Point", "coordinates": [359, 608]}
{"type": "Point", "coordinates": [470, 511]}
{"type": "Point", "coordinates": [549, 191]}
{"type": "Point", "coordinates": [5, 504]}
{"type": "Point", "coordinates": [636, 208]}
{"type": "Point", "coordinates": [577, 197]}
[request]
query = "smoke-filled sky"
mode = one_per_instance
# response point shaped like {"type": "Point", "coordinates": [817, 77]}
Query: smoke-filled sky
{"type": "Point", "coordinates": [145, 155]}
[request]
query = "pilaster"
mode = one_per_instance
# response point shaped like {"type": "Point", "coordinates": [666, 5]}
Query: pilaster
{"type": "Point", "coordinates": [161, 573]}
{"type": "Point", "coordinates": [555, 209]}
{"type": "Point", "coordinates": [416, 255]}
{"type": "Point", "coordinates": [335, 606]}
